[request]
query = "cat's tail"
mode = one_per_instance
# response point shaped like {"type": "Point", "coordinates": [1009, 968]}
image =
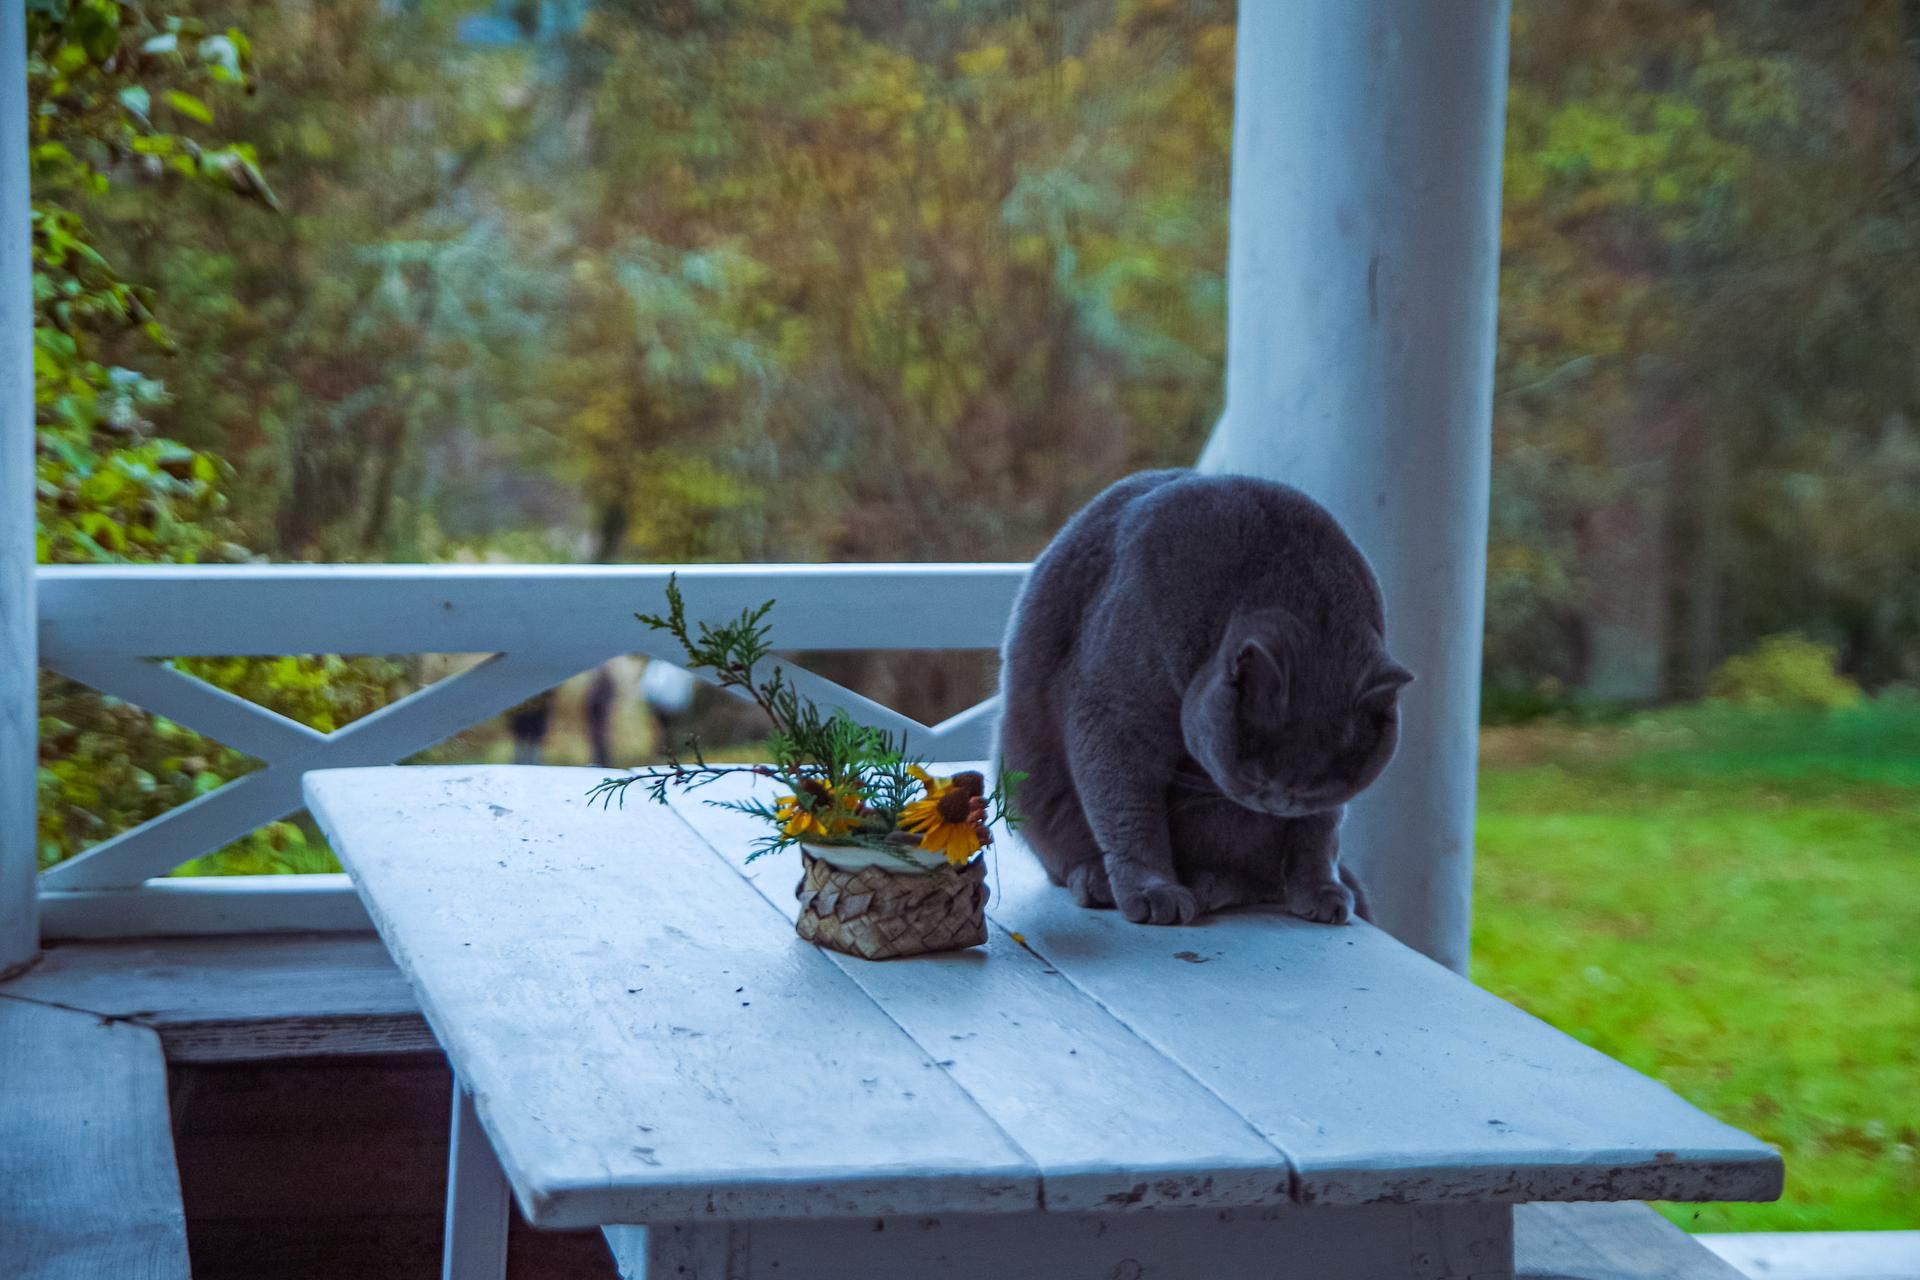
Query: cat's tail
{"type": "Point", "coordinates": [1362, 907]}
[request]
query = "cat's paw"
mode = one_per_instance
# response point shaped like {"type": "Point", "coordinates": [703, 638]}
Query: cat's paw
{"type": "Point", "coordinates": [1089, 885]}
{"type": "Point", "coordinates": [1160, 904]}
{"type": "Point", "coordinates": [1216, 892]}
{"type": "Point", "coordinates": [1146, 897]}
{"type": "Point", "coordinates": [1325, 903]}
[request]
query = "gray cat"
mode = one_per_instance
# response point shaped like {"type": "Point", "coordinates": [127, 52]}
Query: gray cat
{"type": "Point", "coordinates": [1195, 684]}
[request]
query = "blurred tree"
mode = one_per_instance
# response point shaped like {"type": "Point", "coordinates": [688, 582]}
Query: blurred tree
{"type": "Point", "coordinates": [1708, 296]}
{"type": "Point", "coordinates": [768, 279]}
{"type": "Point", "coordinates": [115, 97]}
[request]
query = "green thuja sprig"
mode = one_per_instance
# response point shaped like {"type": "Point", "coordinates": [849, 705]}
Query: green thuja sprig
{"type": "Point", "coordinates": [819, 756]}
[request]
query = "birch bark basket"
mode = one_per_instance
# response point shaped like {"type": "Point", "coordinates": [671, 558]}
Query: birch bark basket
{"type": "Point", "coordinates": [869, 905]}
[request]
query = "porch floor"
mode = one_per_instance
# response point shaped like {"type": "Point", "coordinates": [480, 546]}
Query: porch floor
{"type": "Point", "coordinates": [1820, 1255]}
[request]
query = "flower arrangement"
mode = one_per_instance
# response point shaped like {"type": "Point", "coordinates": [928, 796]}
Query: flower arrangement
{"type": "Point", "coordinates": [850, 786]}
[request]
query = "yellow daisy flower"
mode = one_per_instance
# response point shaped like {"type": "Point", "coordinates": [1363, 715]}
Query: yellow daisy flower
{"type": "Point", "coordinates": [832, 815]}
{"type": "Point", "coordinates": [795, 820]}
{"type": "Point", "coordinates": [951, 819]}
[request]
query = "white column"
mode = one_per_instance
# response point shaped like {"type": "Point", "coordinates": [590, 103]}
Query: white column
{"type": "Point", "coordinates": [19, 666]}
{"type": "Point", "coordinates": [1362, 270]}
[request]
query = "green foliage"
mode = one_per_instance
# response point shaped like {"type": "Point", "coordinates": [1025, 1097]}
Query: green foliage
{"type": "Point", "coordinates": [106, 765]}
{"type": "Point", "coordinates": [1785, 671]}
{"type": "Point", "coordinates": [1722, 898]}
{"type": "Point", "coordinates": [110, 488]}
{"type": "Point", "coordinates": [1706, 390]}
{"type": "Point", "coordinates": [759, 280]}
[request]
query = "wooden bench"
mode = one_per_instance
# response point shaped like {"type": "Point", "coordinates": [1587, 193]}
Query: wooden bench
{"type": "Point", "coordinates": [87, 1181]}
{"type": "Point", "coordinates": [642, 1043]}
{"type": "Point", "coordinates": [1608, 1242]}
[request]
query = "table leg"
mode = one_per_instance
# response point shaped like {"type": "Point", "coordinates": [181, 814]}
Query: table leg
{"type": "Point", "coordinates": [476, 1243]}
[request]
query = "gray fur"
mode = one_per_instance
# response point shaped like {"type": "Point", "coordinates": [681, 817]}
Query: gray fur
{"type": "Point", "coordinates": [1195, 684]}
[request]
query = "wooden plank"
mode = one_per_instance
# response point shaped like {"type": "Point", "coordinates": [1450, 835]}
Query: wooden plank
{"type": "Point", "coordinates": [417, 721]}
{"type": "Point", "coordinates": [1057, 1073]}
{"type": "Point", "coordinates": [225, 717]}
{"type": "Point", "coordinates": [643, 1038]}
{"type": "Point", "coordinates": [183, 610]}
{"type": "Point", "coordinates": [239, 998]}
{"type": "Point", "coordinates": [86, 1157]}
{"type": "Point", "coordinates": [1819, 1255]}
{"type": "Point", "coordinates": [827, 694]}
{"type": "Point", "coordinates": [1381, 1074]}
{"type": "Point", "coordinates": [1369, 1242]}
{"type": "Point", "coordinates": [1607, 1242]}
{"type": "Point", "coordinates": [966, 733]}
{"type": "Point", "coordinates": [202, 905]}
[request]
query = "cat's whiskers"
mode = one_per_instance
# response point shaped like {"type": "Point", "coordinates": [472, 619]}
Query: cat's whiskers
{"type": "Point", "coordinates": [1194, 802]}
{"type": "Point", "coordinates": [1197, 781]}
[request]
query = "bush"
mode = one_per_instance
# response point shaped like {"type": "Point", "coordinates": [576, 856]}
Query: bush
{"type": "Point", "coordinates": [1785, 671]}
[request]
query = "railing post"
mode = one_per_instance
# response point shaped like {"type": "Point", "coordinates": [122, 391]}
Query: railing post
{"type": "Point", "coordinates": [19, 667]}
{"type": "Point", "coordinates": [1361, 296]}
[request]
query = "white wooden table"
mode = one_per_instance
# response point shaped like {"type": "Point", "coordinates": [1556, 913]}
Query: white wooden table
{"type": "Point", "coordinates": [640, 1039]}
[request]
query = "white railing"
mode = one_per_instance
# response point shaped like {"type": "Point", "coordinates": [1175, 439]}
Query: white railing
{"type": "Point", "coordinates": [114, 629]}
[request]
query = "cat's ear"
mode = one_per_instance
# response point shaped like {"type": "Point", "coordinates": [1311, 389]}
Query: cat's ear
{"type": "Point", "coordinates": [1255, 671]}
{"type": "Point", "coordinates": [1388, 678]}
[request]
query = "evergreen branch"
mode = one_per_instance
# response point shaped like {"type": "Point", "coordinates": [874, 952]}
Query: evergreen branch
{"type": "Point", "coordinates": [853, 779]}
{"type": "Point", "coordinates": [608, 790]}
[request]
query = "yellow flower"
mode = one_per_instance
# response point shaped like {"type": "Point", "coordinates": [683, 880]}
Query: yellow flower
{"type": "Point", "coordinates": [951, 818]}
{"type": "Point", "coordinates": [832, 815]}
{"type": "Point", "coordinates": [796, 821]}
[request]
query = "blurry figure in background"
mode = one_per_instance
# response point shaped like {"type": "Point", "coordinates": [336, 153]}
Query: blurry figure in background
{"type": "Point", "coordinates": [603, 694]}
{"type": "Point", "coordinates": [668, 692]}
{"type": "Point", "coordinates": [666, 689]}
{"type": "Point", "coordinates": [528, 724]}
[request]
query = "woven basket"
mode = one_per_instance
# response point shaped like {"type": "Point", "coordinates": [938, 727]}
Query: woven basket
{"type": "Point", "coordinates": [880, 914]}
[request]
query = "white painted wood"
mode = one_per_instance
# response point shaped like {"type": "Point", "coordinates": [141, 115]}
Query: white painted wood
{"type": "Point", "coordinates": [203, 825]}
{"type": "Point", "coordinates": [87, 1180]}
{"type": "Point", "coordinates": [222, 999]}
{"type": "Point", "coordinates": [1109, 1123]}
{"type": "Point", "coordinates": [477, 1210]}
{"type": "Point", "coordinates": [1363, 252]}
{"type": "Point", "coordinates": [206, 905]}
{"type": "Point", "coordinates": [163, 610]}
{"type": "Point", "coordinates": [1381, 1074]}
{"type": "Point", "coordinates": [1375, 1242]}
{"type": "Point", "coordinates": [416, 721]}
{"type": "Point", "coordinates": [1819, 1255]}
{"type": "Point", "coordinates": [1607, 1242]}
{"type": "Point", "coordinates": [967, 733]}
{"type": "Point", "coordinates": [644, 1037]}
{"type": "Point", "coordinates": [227, 718]}
{"type": "Point", "coordinates": [566, 956]}
{"type": "Point", "coordinates": [19, 665]}
{"type": "Point", "coordinates": [826, 693]}
{"type": "Point", "coordinates": [102, 625]}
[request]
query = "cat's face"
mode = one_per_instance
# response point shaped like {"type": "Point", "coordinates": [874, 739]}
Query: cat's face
{"type": "Point", "coordinates": [1290, 723]}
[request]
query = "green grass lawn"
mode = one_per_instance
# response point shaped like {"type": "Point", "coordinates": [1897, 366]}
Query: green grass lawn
{"type": "Point", "coordinates": [1728, 901]}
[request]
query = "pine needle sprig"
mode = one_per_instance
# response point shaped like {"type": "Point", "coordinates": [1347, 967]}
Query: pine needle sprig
{"type": "Point", "coordinates": [851, 780]}
{"type": "Point", "coordinates": [818, 755]}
